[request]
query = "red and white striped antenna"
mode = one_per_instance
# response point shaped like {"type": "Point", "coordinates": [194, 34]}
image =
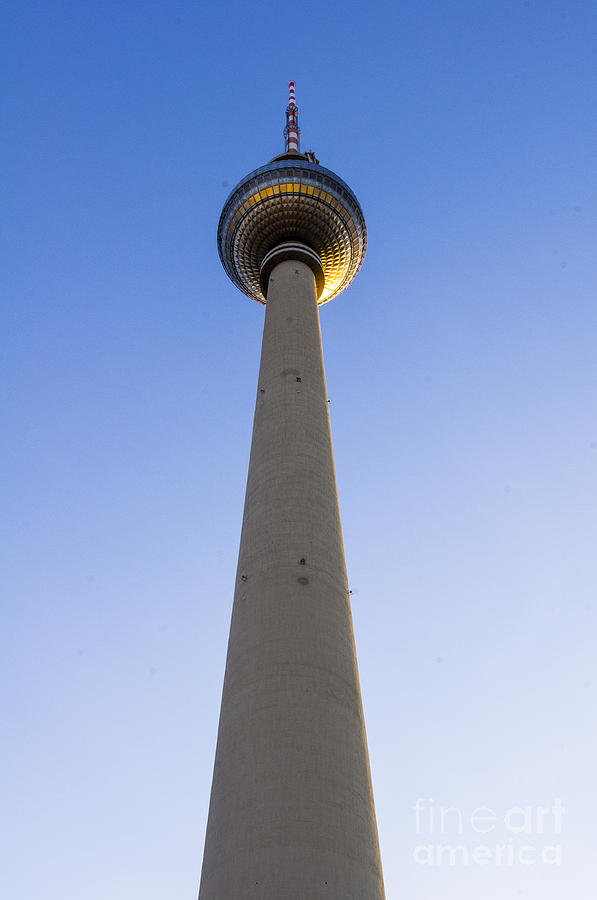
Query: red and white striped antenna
{"type": "Point", "coordinates": [292, 132]}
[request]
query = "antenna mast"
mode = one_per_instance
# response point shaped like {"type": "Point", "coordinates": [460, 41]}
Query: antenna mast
{"type": "Point", "coordinates": [292, 132]}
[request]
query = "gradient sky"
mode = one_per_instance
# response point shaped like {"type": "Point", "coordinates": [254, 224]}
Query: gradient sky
{"type": "Point", "coordinates": [462, 372]}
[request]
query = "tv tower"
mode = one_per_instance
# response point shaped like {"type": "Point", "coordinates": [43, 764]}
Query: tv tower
{"type": "Point", "coordinates": [291, 814]}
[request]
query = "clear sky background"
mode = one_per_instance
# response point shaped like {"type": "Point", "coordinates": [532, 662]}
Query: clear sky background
{"type": "Point", "coordinates": [462, 372]}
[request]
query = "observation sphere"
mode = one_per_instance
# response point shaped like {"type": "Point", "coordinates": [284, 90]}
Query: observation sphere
{"type": "Point", "coordinates": [292, 198]}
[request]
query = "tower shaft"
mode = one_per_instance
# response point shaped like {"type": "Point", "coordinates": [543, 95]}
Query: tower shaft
{"type": "Point", "coordinates": [291, 813]}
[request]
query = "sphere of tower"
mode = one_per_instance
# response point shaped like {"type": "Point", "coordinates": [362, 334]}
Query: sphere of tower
{"type": "Point", "coordinates": [292, 198]}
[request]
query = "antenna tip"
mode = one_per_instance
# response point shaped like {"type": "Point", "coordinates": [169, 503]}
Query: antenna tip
{"type": "Point", "coordinates": [291, 100]}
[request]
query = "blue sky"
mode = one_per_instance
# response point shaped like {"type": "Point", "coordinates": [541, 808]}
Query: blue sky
{"type": "Point", "coordinates": [462, 373]}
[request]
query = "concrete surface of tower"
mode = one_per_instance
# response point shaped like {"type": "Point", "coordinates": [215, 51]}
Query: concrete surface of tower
{"type": "Point", "coordinates": [291, 813]}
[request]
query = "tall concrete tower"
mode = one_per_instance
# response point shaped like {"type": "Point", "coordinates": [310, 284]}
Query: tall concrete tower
{"type": "Point", "coordinates": [291, 815]}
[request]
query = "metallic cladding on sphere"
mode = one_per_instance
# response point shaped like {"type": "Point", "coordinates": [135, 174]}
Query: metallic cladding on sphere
{"type": "Point", "coordinates": [292, 198]}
